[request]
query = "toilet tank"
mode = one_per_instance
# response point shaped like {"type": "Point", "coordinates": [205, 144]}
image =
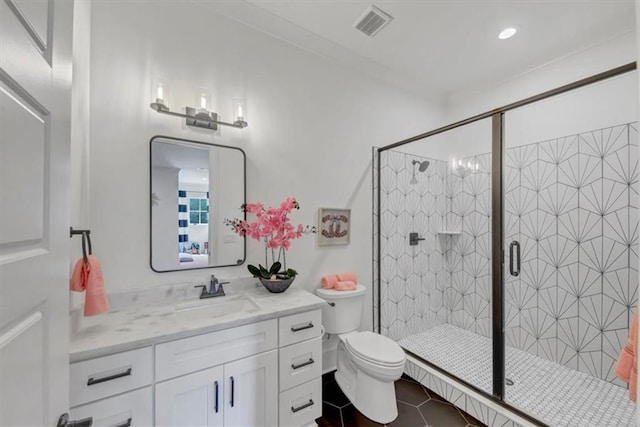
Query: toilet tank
{"type": "Point", "coordinates": [343, 311]}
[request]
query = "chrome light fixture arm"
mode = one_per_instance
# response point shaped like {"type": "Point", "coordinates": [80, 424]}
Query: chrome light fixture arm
{"type": "Point", "coordinates": [198, 118]}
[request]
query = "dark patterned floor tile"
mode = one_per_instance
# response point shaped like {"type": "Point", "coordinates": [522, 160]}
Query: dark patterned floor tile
{"type": "Point", "coordinates": [471, 420]}
{"type": "Point", "coordinates": [353, 418]}
{"type": "Point", "coordinates": [331, 393]}
{"type": "Point", "coordinates": [330, 416]}
{"type": "Point", "coordinates": [433, 395]}
{"type": "Point", "coordinates": [408, 416]}
{"type": "Point", "coordinates": [410, 392]}
{"type": "Point", "coordinates": [439, 414]}
{"type": "Point", "coordinates": [327, 378]}
{"type": "Point", "coordinates": [408, 378]}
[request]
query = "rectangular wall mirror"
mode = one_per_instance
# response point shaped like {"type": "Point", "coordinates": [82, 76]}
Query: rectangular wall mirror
{"type": "Point", "coordinates": [194, 187]}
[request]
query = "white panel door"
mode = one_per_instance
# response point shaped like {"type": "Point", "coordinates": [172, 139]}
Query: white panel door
{"type": "Point", "coordinates": [191, 400]}
{"type": "Point", "coordinates": [251, 387]}
{"type": "Point", "coordinates": [35, 90]}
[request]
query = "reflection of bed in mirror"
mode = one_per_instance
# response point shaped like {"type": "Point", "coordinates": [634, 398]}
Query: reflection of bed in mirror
{"type": "Point", "coordinates": [194, 260]}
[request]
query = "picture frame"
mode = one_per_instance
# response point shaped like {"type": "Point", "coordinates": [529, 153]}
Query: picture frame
{"type": "Point", "coordinates": [334, 226]}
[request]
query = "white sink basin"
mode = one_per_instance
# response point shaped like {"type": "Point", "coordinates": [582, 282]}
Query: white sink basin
{"type": "Point", "coordinates": [218, 306]}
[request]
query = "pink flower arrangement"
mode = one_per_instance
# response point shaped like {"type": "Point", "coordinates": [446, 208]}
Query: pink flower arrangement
{"type": "Point", "coordinates": [273, 227]}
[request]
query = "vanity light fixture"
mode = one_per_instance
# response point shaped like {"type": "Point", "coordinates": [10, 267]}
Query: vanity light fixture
{"type": "Point", "coordinates": [464, 168]}
{"type": "Point", "coordinates": [200, 117]}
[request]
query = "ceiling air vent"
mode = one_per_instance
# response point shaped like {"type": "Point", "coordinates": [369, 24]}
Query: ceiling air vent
{"type": "Point", "coordinates": [372, 21]}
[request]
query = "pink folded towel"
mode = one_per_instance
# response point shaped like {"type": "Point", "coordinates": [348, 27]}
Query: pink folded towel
{"type": "Point", "coordinates": [329, 282]}
{"type": "Point", "coordinates": [348, 277]}
{"type": "Point", "coordinates": [627, 366]}
{"type": "Point", "coordinates": [87, 276]}
{"type": "Point", "coordinates": [346, 285]}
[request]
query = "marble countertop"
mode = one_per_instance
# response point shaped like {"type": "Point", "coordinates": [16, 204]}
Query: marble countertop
{"type": "Point", "coordinates": [143, 323]}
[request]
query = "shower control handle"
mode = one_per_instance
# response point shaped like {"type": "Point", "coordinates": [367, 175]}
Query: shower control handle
{"type": "Point", "coordinates": [516, 271]}
{"type": "Point", "coordinates": [414, 238]}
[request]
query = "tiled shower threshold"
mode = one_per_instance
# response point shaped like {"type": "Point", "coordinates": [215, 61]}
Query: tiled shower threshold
{"type": "Point", "coordinates": [552, 393]}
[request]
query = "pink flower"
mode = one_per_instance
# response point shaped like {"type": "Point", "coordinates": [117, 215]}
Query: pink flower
{"type": "Point", "coordinates": [272, 225]}
{"type": "Point", "coordinates": [289, 204]}
{"type": "Point", "coordinates": [254, 208]}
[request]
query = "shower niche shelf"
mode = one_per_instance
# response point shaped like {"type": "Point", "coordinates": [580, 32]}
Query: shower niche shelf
{"type": "Point", "coordinates": [449, 233]}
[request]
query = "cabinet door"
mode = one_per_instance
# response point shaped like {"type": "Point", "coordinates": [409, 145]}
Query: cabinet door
{"type": "Point", "coordinates": [191, 400]}
{"type": "Point", "coordinates": [251, 387]}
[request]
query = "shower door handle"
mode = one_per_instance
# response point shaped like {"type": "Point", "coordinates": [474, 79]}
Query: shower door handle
{"type": "Point", "coordinates": [516, 271]}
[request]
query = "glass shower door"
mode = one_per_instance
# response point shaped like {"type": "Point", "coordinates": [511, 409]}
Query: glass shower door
{"type": "Point", "coordinates": [571, 246]}
{"type": "Point", "coordinates": [435, 251]}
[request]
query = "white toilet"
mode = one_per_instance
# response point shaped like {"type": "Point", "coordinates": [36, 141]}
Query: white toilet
{"type": "Point", "coordinates": [368, 363]}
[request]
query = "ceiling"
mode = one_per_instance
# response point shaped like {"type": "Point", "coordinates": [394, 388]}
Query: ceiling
{"type": "Point", "coordinates": [438, 47]}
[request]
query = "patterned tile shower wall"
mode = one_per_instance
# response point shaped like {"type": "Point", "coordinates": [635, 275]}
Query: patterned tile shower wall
{"type": "Point", "coordinates": [468, 255]}
{"type": "Point", "coordinates": [446, 277]}
{"type": "Point", "coordinates": [412, 278]}
{"type": "Point", "coordinates": [572, 203]}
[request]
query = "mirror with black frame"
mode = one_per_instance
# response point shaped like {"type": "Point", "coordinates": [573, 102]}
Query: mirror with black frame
{"type": "Point", "coordinates": [194, 187]}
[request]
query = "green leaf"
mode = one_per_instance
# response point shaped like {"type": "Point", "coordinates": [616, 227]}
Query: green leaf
{"type": "Point", "coordinates": [275, 268]}
{"type": "Point", "coordinates": [264, 273]}
{"type": "Point", "coordinates": [291, 272]}
{"type": "Point", "coordinates": [255, 271]}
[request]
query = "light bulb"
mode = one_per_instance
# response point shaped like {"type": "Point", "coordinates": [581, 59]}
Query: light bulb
{"type": "Point", "coordinates": [160, 92]}
{"type": "Point", "coordinates": [453, 163]}
{"type": "Point", "coordinates": [477, 166]}
{"type": "Point", "coordinates": [469, 165]}
{"type": "Point", "coordinates": [240, 110]}
{"type": "Point", "coordinates": [203, 101]}
{"type": "Point", "coordinates": [459, 162]}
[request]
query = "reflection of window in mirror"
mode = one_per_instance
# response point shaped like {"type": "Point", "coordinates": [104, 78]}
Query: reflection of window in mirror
{"type": "Point", "coordinates": [198, 209]}
{"type": "Point", "coordinates": [194, 184]}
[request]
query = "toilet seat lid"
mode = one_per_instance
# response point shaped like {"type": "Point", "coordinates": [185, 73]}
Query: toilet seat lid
{"type": "Point", "coordinates": [375, 348]}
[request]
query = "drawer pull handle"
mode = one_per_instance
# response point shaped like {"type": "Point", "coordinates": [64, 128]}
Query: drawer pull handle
{"type": "Point", "coordinates": [301, 407]}
{"type": "Point", "coordinates": [110, 377]}
{"type": "Point", "coordinates": [301, 328]}
{"type": "Point", "coordinates": [216, 402]}
{"type": "Point", "coordinates": [124, 423]}
{"type": "Point", "coordinates": [303, 364]}
{"type": "Point", "coordinates": [232, 390]}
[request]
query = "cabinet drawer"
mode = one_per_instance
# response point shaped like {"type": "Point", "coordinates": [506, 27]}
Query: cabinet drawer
{"type": "Point", "coordinates": [301, 405]}
{"type": "Point", "coordinates": [105, 376]}
{"type": "Point", "coordinates": [130, 409]}
{"type": "Point", "coordinates": [300, 327]}
{"type": "Point", "coordinates": [187, 355]}
{"type": "Point", "coordinates": [300, 363]}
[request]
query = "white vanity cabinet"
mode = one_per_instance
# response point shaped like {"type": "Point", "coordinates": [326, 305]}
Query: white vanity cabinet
{"type": "Point", "coordinates": [97, 387]}
{"type": "Point", "coordinates": [265, 373]}
{"type": "Point", "coordinates": [240, 392]}
{"type": "Point", "coordinates": [300, 368]}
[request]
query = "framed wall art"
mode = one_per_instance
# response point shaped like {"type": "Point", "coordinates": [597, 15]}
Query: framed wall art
{"type": "Point", "coordinates": [334, 226]}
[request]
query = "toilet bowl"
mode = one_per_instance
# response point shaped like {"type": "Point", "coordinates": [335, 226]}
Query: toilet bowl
{"type": "Point", "coordinates": [368, 364]}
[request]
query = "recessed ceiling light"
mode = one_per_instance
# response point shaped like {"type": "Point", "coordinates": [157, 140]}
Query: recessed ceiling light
{"type": "Point", "coordinates": [506, 33]}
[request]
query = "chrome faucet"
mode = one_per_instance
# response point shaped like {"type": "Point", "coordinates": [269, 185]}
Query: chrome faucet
{"type": "Point", "coordinates": [215, 288]}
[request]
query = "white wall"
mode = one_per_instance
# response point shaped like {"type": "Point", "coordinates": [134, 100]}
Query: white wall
{"type": "Point", "coordinates": [165, 219]}
{"type": "Point", "coordinates": [596, 106]}
{"type": "Point", "coordinates": [585, 63]}
{"type": "Point", "coordinates": [311, 127]}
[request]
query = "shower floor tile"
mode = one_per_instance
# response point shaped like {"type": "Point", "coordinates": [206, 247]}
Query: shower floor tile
{"type": "Point", "coordinates": [550, 392]}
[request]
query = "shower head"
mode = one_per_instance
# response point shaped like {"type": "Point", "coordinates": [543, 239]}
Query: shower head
{"type": "Point", "coordinates": [423, 165]}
